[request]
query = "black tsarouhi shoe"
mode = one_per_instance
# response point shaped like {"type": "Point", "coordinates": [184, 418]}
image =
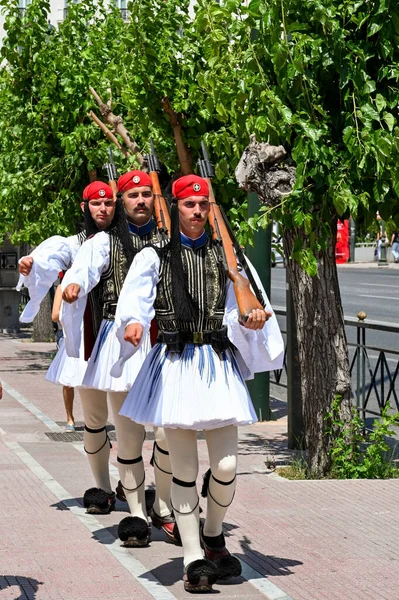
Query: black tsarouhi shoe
{"type": "Point", "coordinates": [199, 576]}
{"type": "Point", "coordinates": [134, 532]}
{"type": "Point", "coordinates": [98, 502]}
{"type": "Point", "coordinates": [215, 550]}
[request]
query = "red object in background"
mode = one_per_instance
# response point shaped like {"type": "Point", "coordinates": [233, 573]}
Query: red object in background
{"type": "Point", "coordinates": [342, 245]}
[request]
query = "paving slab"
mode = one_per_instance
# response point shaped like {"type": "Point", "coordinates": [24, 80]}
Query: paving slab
{"type": "Point", "coordinates": [298, 540]}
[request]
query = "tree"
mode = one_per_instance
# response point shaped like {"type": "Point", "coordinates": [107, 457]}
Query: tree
{"type": "Point", "coordinates": [48, 149]}
{"type": "Point", "coordinates": [317, 76]}
{"type": "Point", "coordinates": [321, 78]}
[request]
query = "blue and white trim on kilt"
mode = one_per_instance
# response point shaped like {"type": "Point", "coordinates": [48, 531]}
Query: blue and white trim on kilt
{"type": "Point", "coordinates": [195, 389]}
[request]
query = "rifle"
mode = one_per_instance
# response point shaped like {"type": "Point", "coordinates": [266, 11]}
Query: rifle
{"type": "Point", "coordinates": [223, 235]}
{"type": "Point", "coordinates": [161, 208]}
{"type": "Point", "coordinates": [112, 174]}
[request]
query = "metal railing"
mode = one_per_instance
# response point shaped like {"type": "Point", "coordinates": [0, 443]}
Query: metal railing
{"type": "Point", "coordinates": [374, 369]}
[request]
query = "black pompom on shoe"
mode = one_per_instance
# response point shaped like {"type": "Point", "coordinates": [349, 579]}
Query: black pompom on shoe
{"type": "Point", "coordinates": [98, 502]}
{"type": "Point", "coordinates": [134, 532]}
{"type": "Point", "coordinates": [199, 576]}
{"type": "Point", "coordinates": [215, 550]}
{"type": "Point", "coordinates": [229, 566]}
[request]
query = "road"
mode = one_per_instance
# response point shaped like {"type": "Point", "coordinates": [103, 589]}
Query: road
{"type": "Point", "coordinates": [374, 291]}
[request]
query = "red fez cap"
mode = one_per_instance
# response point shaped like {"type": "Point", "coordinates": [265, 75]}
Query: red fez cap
{"type": "Point", "coordinates": [190, 185]}
{"type": "Point", "coordinates": [97, 189]}
{"type": "Point", "coordinates": [133, 179]}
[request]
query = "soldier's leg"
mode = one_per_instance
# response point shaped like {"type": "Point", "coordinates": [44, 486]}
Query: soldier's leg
{"type": "Point", "coordinates": [219, 486]}
{"type": "Point", "coordinates": [97, 446]}
{"type": "Point", "coordinates": [161, 512]}
{"type": "Point", "coordinates": [199, 574]}
{"type": "Point", "coordinates": [134, 530]}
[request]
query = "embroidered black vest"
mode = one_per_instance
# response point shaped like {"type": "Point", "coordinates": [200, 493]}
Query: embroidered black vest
{"type": "Point", "coordinates": [207, 285]}
{"type": "Point", "coordinates": [112, 280]}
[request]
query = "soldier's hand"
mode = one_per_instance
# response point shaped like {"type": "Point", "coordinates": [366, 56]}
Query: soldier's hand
{"type": "Point", "coordinates": [257, 319]}
{"type": "Point", "coordinates": [133, 333]}
{"type": "Point", "coordinates": [25, 266]}
{"type": "Point", "coordinates": [71, 293]}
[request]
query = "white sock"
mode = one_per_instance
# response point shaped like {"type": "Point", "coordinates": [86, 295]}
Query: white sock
{"type": "Point", "coordinates": [162, 474]}
{"type": "Point", "coordinates": [182, 444]}
{"type": "Point", "coordinates": [222, 449]}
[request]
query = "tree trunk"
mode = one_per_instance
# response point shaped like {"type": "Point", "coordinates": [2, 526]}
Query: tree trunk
{"type": "Point", "coordinates": [43, 330]}
{"type": "Point", "coordinates": [322, 345]}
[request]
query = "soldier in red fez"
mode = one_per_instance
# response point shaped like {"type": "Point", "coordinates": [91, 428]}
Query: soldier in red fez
{"type": "Point", "coordinates": [41, 268]}
{"type": "Point", "coordinates": [104, 262]}
{"type": "Point", "coordinates": [193, 378]}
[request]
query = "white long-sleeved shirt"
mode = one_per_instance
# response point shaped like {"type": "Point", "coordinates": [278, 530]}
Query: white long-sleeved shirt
{"type": "Point", "coordinates": [89, 264]}
{"type": "Point", "coordinates": [55, 254]}
{"type": "Point", "coordinates": [260, 350]}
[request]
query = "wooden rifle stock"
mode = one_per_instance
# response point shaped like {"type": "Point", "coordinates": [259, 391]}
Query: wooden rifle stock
{"type": "Point", "coordinates": [161, 210]}
{"type": "Point", "coordinates": [112, 184]}
{"type": "Point", "coordinates": [246, 299]}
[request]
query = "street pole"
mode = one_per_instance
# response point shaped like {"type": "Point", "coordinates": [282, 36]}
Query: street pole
{"type": "Point", "coordinates": [296, 428]}
{"type": "Point", "coordinates": [260, 256]}
{"type": "Point", "coordinates": [352, 243]}
{"type": "Point", "coordinates": [382, 261]}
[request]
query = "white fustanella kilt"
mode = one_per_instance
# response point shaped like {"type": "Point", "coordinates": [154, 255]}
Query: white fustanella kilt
{"type": "Point", "coordinates": [197, 389]}
{"type": "Point", "coordinates": [105, 354]}
{"type": "Point", "coordinates": [65, 370]}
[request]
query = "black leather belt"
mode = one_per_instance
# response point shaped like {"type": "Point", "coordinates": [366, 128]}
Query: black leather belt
{"type": "Point", "coordinates": [109, 309]}
{"type": "Point", "coordinates": [175, 340]}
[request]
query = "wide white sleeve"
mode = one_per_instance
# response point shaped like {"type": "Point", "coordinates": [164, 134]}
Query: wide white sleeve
{"type": "Point", "coordinates": [49, 258]}
{"type": "Point", "coordinates": [261, 350]}
{"type": "Point", "coordinates": [136, 302]}
{"type": "Point", "coordinates": [89, 264]}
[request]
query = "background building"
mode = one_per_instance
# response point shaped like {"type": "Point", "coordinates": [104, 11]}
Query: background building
{"type": "Point", "coordinates": [58, 11]}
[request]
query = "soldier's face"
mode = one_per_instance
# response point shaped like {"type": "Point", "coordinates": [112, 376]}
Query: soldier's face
{"type": "Point", "coordinates": [193, 214]}
{"type": "Point", "coordinates": [139, 204]}
{"type": "Point", "coordinates": [102, 211]}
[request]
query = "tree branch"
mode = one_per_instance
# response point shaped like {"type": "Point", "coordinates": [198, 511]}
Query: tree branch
{"type": "Point", "coordinates": [108, 133]}
{"type": "Point", "coordinates": [116, 123]}
{"type": "Point", "coordinates": [183, 152]}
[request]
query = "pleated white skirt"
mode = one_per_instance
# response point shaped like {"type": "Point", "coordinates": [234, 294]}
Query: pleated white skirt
{"type": "Point", "coordinates": [197, 389]}
{"type": "Point", "coordinates": [105, 354]}
{"type": "Point", "coordinates": [65, 370]}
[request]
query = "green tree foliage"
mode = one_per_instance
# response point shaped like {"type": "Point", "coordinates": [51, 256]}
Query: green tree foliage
{"type": "Point", "coordinates": [319, 77]}
{"type": "Point", "coordinates": [322, 79]}
{"type": "Point", "coordinates": [46, 145]}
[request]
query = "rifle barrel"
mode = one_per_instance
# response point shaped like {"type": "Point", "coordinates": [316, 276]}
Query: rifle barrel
{"type": "Point", "coordinates": [205, 151]}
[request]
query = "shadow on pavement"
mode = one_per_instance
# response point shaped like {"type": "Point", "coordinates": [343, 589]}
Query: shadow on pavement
{"type": "Point", "coordinates": [25, 588]}
{"type": "Point", "coordinates": [28, 360]}
{"type": "Point", "coordinates": [275, 565]}
{"type": "Point", "coordinates": [254, 444]}
{"type": "Point", "coordinates": [170, 573]}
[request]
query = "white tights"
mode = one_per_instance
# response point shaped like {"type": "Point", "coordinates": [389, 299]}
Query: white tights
{"type": "Point", "coordinates": [222, 449]}
{"type": "Point", "coordinates": [130, 437]}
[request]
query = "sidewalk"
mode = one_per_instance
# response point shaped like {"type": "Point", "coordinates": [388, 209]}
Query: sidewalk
{"type": "Point", "coordinates": [368, 265]}
{"type": "Point", "coordinates": [299, 540]}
